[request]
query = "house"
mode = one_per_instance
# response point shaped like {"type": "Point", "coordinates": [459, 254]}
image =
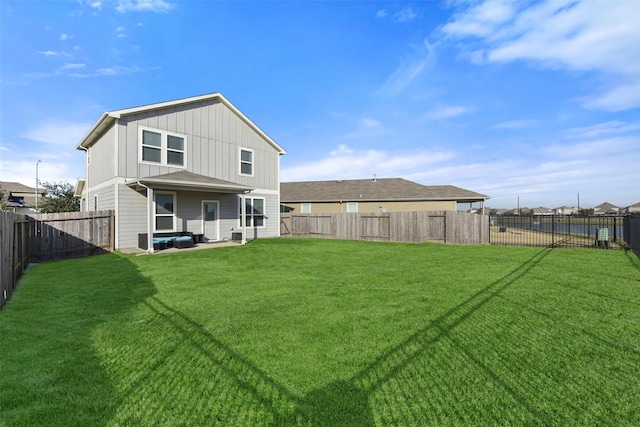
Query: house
{"type": "Point", "coordinates": [565, 210]}
{"type": "Point", "coordinates": [633, 208]}
{"type": "Point", "coordinates": [372, 195]}
{"type": "Point", "coordinates": [21, 198]}
{"type": "Point", "coordinates": [605, 208]}
{"type": "Point", "coordinates": [541, 210]}
{"type": "Point", "coordinates": [195, 165]}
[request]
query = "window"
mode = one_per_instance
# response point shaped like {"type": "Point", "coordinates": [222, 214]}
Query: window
{"type": "Point", "coordinates": [163, 148]}
{"type": "Point", "coordinates": [246, 161]}
{"type": "Point", "coordinates": [175, 150]}
{"type": "Point", "coordinates": [151, 146]}
{"type": "Point", "coordinates": [88, 156]}
{"type": "Point", "coordinates": [254, 212]}
{"type": "Point", "coordinates": [165, 209]}
{"type": "Point", "coordinates": [352, 207]}
{"type": "Point", "coordinates": [305, 208]}
{"type": "Point", "coordinates": [95, 203]}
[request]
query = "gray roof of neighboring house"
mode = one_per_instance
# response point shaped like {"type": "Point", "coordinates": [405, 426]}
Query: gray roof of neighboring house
{"type": "Point", "coordinates": [28, 193]}
{"type": "Point", "coordinates": [606, 206]}
{"type": "Point", "coordinates": [390, 189]}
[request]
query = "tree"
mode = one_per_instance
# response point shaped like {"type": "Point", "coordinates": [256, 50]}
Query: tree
{"type": "Point", "coordinates": [4, 200]}
{"type": "Point", "coordinates": [59, 198]}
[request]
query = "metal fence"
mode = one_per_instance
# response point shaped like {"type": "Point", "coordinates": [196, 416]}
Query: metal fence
{"type": "Point", "coordinates": [594, 231]}
{"type": "Point", "coordinates": [632, 232]}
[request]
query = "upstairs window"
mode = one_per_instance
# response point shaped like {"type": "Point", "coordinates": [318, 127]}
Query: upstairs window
{"type": "Point", "coordinates": [151, 146]}
{"type": "Point", "coordinates": [163, 148]}
{"type": "Point", "coordinates": [175, 150]}
{"type": "Point", "coordinates": [246, 161]}
{"type": "Point", "coordinates": [305, 208]}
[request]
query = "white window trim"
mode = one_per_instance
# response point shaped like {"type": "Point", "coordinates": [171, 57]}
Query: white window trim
{"type": "Point", "coordinates": [354, 204]}
{"type": "Point", "coordinates": [253, 161]}
{"type": "Point", "coordinates": [155, 213]}
{"type": "Point", "coordinates": [264, 214]}
{"type": "Point", "coordinates": [95, 202]}
{"type": "Point", "coordinates": [88, 156]}
{"type": "Point", "coordinates": [302, 207]}
{"type": "Point", "coordinates": [163, 147]}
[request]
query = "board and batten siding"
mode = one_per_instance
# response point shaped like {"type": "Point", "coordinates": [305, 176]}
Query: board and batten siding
{"type": "Point", "coordinates": [375, 207]}
{"type": "Point", "coordinates": [214, 135]}
{"type": "Point", "coordinates": [102, 159]}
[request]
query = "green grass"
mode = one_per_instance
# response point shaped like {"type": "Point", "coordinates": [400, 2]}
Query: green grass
{"type": "Point", "coordinates": [327, 333]}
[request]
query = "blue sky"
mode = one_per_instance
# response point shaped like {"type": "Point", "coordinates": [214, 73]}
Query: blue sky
{"type": "Point", "coordinates": [536, 100]}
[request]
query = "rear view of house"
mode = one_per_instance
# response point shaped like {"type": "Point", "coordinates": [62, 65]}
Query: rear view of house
{"type": "Point", "coordinates": [195, 165]}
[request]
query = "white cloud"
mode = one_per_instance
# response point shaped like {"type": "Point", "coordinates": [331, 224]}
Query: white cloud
{"type": "Point", "coordinates": [347, 163]}
{"type": "Point", "coordinates": [515, 124]}
{"type": "Point", "coordinates": [64, 37]}
{"type": "Point", "coordinates": [72, 66]}
{"type": "Point", "coordinates": [405, 14]}
{"type": "Point", "coordinates": [561, 34]}
{"type": "Point", "coordinates": [96, 5]}
{"type": "Point", "coordinates": [48, 53]}
{"type": "Point", "coordinates": [447, 111]}
{"type": "Point", "coordinates": [607, 128]}
{"type": "Point", "coordinates": [143, 6]}
{"type": "Point", "coordinates": [61, 134]}
{"type": "Point", "coordinates": [381, 13]}
{"type": "Point", "coordinates": [409, 69]}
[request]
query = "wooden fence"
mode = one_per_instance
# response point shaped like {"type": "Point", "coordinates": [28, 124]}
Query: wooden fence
{"type": "Point", "coordinates": [422, 226]}
{"type": "Point", "coordinates": [44, 237]}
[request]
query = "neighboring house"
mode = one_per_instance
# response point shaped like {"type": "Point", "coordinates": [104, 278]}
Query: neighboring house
{"type": "Point", "coordinates": [372, 195]}
{"type": "Point", "coordinates": [194, 164]}
{"type": "Point", "coordinates": [605, 208]}
{"type": "Point", "coordinates": [542, 211]}
{"type": "Point", "coordinates": [21, 198]}
{"type": "Point", "coordinates": [633, 208]}
{"type": "Point", "coordinates": [565, 210]}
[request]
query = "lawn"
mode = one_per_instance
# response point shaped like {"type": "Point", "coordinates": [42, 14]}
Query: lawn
{"type": "Point", "coordinates": [326, 333]}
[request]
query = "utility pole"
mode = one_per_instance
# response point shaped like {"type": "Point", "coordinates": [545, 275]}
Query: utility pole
{"type": "Point", "coordinates": [37, 163]}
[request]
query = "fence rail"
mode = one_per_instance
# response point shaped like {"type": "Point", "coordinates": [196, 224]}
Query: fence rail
{"type": "Point", "coordinates": [597, 231]}
{"type": "Point", "coordinates": [423, 226]}
{"type": "Point", "coordinates": [43, 237]}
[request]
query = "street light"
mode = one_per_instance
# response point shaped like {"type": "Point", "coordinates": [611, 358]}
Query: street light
{"type": "Point", "coordinates": [37, 163]}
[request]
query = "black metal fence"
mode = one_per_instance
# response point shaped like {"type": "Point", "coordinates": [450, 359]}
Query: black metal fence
{"type": "Point", "coordinates": [632, 232]}
{"type": "Point", "coordinates": [594, 231]}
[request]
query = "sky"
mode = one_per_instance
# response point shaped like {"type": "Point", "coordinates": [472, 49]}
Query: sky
{"type": "Point", "coordinates": [532, 103]}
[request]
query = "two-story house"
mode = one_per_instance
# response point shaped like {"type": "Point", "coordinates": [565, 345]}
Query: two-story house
{"type": "Point", "coordinates": [195, 164]}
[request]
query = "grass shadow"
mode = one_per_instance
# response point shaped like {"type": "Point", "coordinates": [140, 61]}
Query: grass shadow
{"type": "Point", "coordinates": [51, 372]}
{"type": "Point", "coordinates": [265, 401]}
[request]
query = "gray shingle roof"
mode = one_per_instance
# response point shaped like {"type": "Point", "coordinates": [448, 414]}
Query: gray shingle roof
{"type": "Point", "coordinates": [396, 189]}
{"type": "Point", "coordinates": [192, 180]}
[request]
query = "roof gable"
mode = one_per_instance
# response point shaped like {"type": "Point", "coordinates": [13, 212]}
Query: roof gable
{"type": "Point", "coordinates": [397, 189]}
{"type": "Point", "coordinates": [108, 118]}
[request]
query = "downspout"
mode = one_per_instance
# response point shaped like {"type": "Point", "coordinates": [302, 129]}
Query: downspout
{"type": "Point", "coordinates": [86, 180]}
